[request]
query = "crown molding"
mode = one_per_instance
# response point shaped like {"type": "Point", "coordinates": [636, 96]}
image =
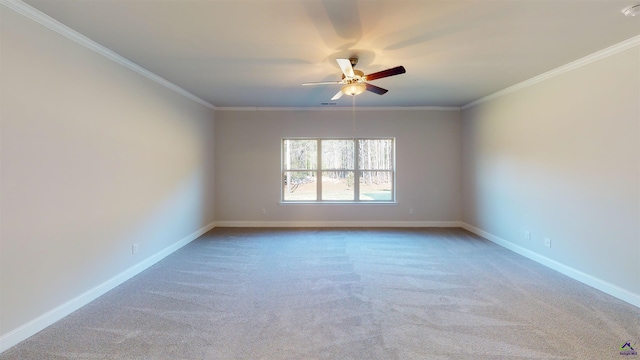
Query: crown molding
{"type": "Point", "coordinates": [47, 21]}
{"type": "Point", "coordinates": [52, 24]}
{"type": "Point", "coordinates": [599, 55]}
{"type": "Point", "coordinates": [339, 108]}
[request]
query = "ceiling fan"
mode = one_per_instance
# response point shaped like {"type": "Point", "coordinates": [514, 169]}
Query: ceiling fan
{"type": "Point", "coordinates": [355, 82]}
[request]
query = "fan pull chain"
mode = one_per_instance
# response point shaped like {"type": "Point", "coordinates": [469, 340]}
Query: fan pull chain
{"type": "Point", "coordinates": [353, 115]}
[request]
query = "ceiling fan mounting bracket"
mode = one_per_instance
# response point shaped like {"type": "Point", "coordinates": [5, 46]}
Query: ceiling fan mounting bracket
{"type": "Point", "coordinates": [354, 61]}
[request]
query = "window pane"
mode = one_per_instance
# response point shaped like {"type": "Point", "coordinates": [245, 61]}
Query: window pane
{"type": "Point", "coordinates": [375, 154]}
{"type": "Point", "coordinates": [300, 154]}
{"type": "Point", "coordinates": [376, 185]}
{"type": "Point", "coordinates": [337, 154]}
{"type": "Point", "coordinates": [299, 185]}
{"type": "Point", "coordinates": [340, 168]}
{"type": "Point", "coordinates": [337, 185]}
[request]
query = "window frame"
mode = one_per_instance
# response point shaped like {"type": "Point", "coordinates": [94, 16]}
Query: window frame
{"type": "Point", "coordinates": [357, 170]}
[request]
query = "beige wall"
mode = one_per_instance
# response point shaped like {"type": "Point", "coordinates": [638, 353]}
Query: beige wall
{"type": "Point", "coordinates": [561, 159]}
{"type": "Point", "coordinates": [248, 164]}
{"type": "Point", "coordinates": [94, 158]}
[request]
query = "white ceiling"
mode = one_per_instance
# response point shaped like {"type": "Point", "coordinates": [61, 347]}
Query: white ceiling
{"type": "Point", "coordinates": [242, 53]}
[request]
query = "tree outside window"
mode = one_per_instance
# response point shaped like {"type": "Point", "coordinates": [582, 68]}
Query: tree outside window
{"type": "Point", "coordinates": [338, 170]}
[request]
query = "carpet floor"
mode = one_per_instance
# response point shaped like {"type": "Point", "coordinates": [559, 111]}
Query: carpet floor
{"type": "Point", "coordinates": [343, 294]}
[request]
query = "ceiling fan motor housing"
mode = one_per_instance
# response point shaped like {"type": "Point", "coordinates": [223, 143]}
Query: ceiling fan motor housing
{"type": "Point", "coordinates": [359, 75]}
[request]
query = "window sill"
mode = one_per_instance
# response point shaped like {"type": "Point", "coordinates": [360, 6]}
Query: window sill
{"type": "Point", "coordinates": [286, 203]}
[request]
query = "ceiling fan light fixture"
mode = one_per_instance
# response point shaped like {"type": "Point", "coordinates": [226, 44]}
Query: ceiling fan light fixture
{"type": "Point", "coordinates": [354, 89]}
{"type": "Point", "coordinates": [633, 10]}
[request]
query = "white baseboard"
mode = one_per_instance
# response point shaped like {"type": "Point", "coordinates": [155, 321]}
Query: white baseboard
{"type": "Point", "coordinates": [323, 224]}
{"type": "Point", "coordinates": [36, 325]}
{"type": "Point", "coordinates": [31, 328]}
{"type": "Point", "coordinates": [594, 282]}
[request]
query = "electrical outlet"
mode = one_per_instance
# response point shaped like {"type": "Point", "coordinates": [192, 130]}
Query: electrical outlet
{"type": "Point", "coordinates": [410, 211]}
{"type": "Point", "coordinates": [547, 242]}
{"type": "Point", "coordinates": [527, 235]}
{"type": "Point", "coordinates": [134, 248]}
{"type": "Point", "coordinates": [264, 211]}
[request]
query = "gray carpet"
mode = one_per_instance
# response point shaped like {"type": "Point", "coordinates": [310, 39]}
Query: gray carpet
{"type": "Point", "coordinates": [343, 294]}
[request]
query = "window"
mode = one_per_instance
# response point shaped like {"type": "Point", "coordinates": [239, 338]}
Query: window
{"type": "Point", "coordinates": [338, 170]}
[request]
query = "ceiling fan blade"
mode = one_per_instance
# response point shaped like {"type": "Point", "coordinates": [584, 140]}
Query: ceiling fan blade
{"type": "Point", "coordinates": [376, 89]}
{"type": "Point", "coordinates": [347, 69]}
{"type": "Point", "coordinates": [384, 73]}
{"type": "Point", "coordinates": [338, 95]}
{"type": "Point", "coordinates": [323, 83]}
